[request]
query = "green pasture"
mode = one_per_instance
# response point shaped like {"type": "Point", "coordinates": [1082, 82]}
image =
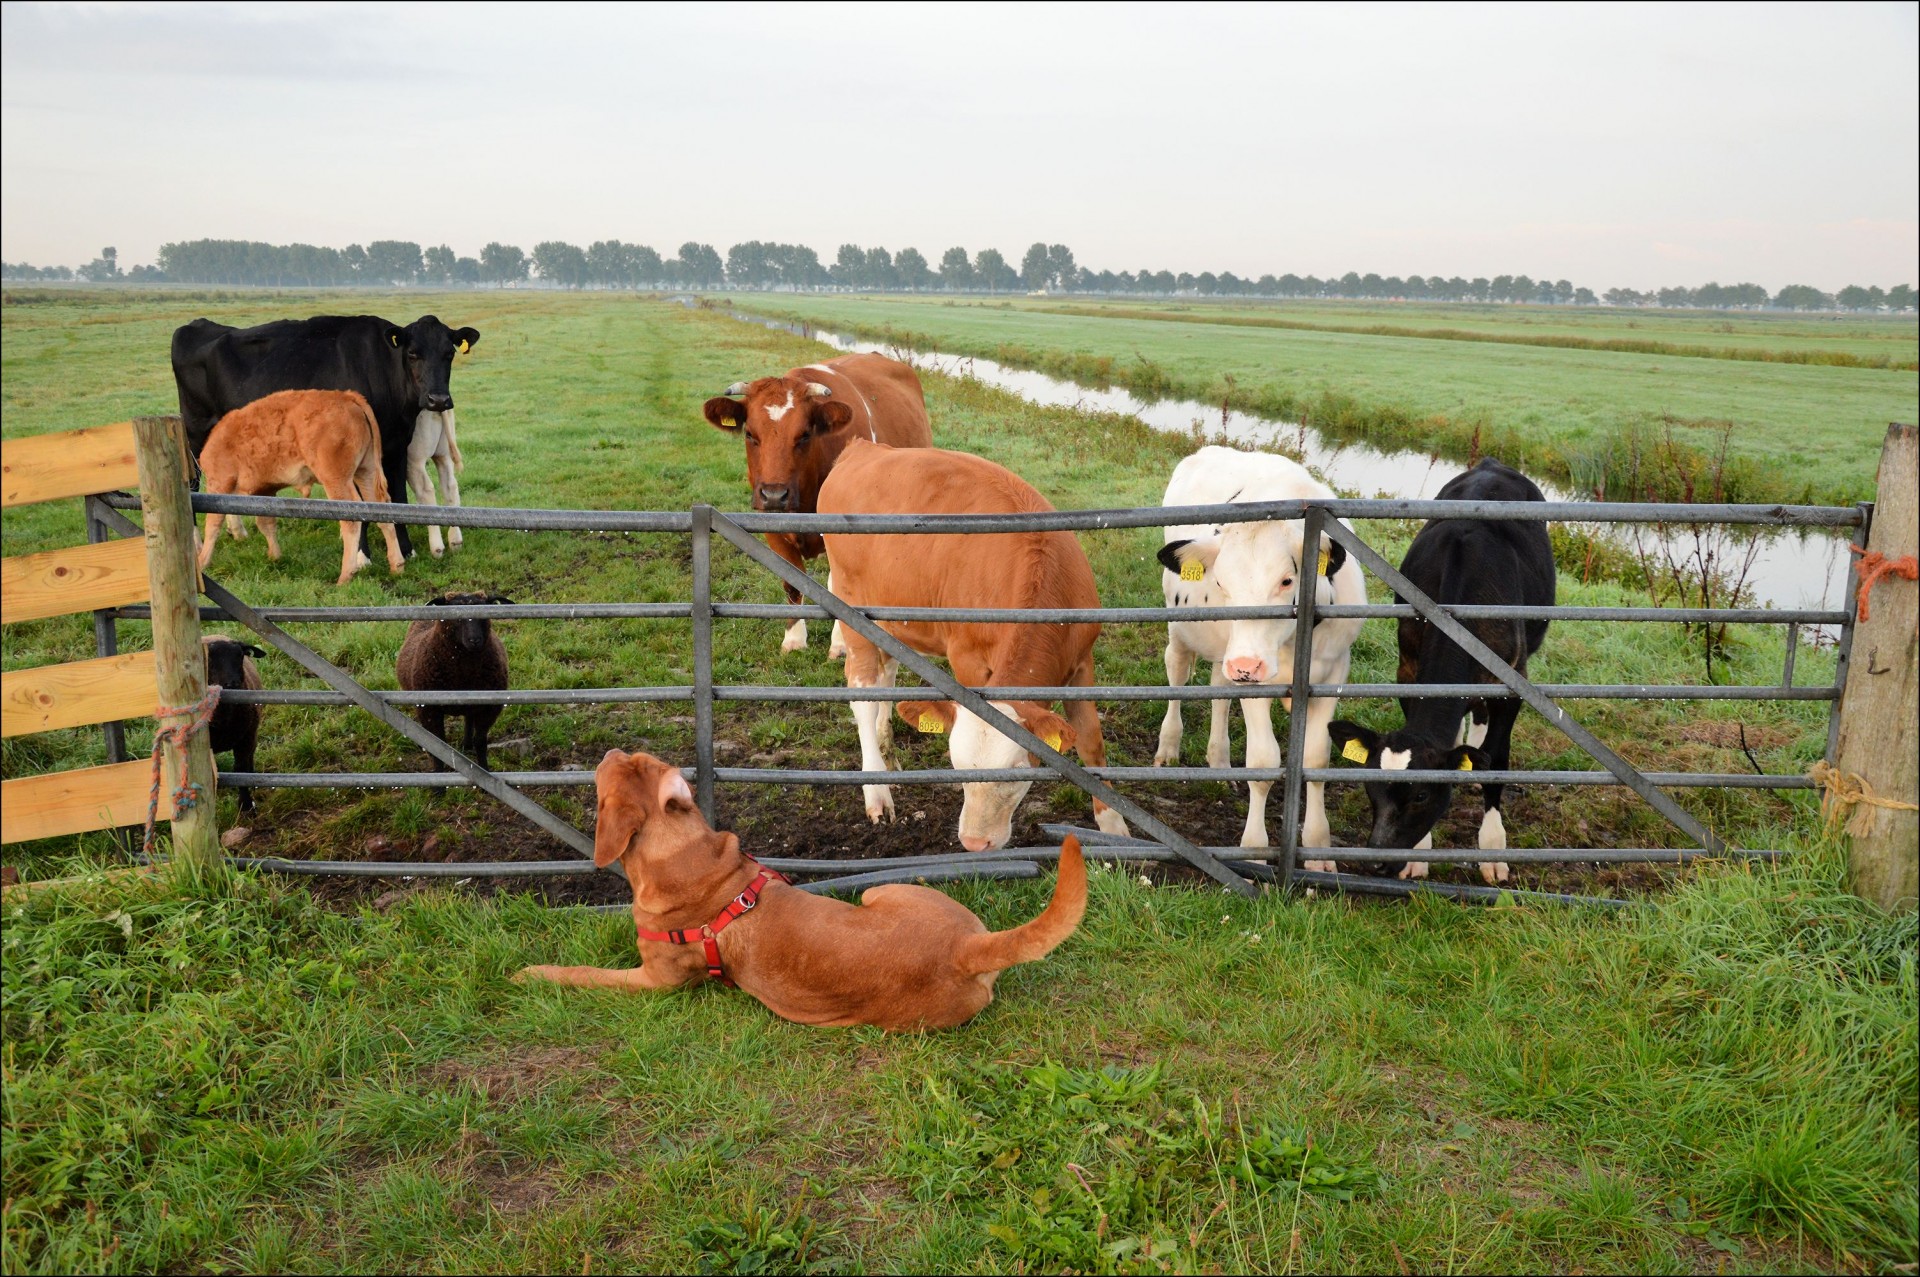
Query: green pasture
{"type": "Point", "coordinates": [1591, 418]}
{"type": "Point", "coordinates": [1723, 1079]}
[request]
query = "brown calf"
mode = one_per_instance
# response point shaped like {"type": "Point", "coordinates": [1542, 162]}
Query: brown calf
{"type": "Point", "coordinates": [994, 570]}
{"type": "Point", "coordinates": [796, 426]}
{"type": "Point", "coordinates": [288, 440]}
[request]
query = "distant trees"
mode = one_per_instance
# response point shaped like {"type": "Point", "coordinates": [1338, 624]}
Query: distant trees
{"type": "Point", "coordinates": [757, 264]}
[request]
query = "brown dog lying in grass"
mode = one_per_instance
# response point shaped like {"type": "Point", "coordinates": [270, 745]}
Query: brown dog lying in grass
{"type": "Point", "coordinates": [905, 957]}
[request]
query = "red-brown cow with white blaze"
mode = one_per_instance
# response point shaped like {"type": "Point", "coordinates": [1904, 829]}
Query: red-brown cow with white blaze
{"type": "Point", "coordinates": [992, 570]}
{"type": "Point", "coordinates": [796, 426]}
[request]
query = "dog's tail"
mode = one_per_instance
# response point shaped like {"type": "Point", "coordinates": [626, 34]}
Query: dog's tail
{"type": "Point", "coordinates": [998, 950]}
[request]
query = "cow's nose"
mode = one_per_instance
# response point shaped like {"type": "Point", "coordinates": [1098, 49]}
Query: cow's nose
{"type": "Point", "coordinates": [975, 843]}
{"type": "Point", "coordinates": [773, 497]}
{"type": "Point", "coordinates": [1246, 669]}
{"type": "Point", "coordinates": [439, 403]}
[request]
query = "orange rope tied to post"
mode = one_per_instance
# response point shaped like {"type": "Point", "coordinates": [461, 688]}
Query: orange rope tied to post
{"type": "Point", "coordinates": [187, 792]}
{"type": "Point", "coordinates": [1874, 565]}
{"type": "Point", "coordinates": [1841, 790]}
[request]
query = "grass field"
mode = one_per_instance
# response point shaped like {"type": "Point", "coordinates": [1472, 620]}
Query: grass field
{"type": "Point", "coordinates": [286, 1078]}
{"type": "Point", "coordinates": [1794, 431]}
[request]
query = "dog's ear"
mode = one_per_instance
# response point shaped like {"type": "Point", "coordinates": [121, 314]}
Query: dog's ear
{"type": "Point", "coordinates": [674, 793]}
{"type": "Point", "coordinates": [619, 818]}
{"type": "Point", "coordinates": [928, 716]}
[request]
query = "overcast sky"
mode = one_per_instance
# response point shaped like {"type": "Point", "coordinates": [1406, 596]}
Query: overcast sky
{"type": "Point", "coordinates": [1634, 146]}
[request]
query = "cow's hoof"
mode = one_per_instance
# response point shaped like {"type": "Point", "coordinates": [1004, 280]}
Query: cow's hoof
{"type": "Point", "coordinates": [1320, 866]}
{"type": "Point", "coordinates": [1219, 758]}
{"type": "Point", "coordinates": [1167, 755]}
{"type": "Point", "coordinates": [795, 638]}
{"type": "Point", "coordinates": [1112, 822]}
{"type": "Point", "coordinates": [1494, 871]}
{"type": "Point", "coordinates": [879, 804]}
{"type": "Point", "coordinates": [439, 552]}
{"type": "Point", "coordinates": [1413, 869]}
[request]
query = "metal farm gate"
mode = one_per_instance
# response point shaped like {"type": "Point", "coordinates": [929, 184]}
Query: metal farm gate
{"type": "Point", "coordinates": [1239, 868]}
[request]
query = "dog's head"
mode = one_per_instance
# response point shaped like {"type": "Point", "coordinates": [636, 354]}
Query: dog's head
{"type": "Point", "coordinates": [633, 789]}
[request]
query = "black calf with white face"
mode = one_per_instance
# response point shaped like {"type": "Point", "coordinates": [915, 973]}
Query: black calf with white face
{"type": "Point", "coordinates": [1404, 812]}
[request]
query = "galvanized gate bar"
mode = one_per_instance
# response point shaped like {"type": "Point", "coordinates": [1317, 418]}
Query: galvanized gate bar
{"type": "Point", "coordinates": [1844, 656]}
{"type": "Point", "coordinates": [1293, 787]}
{"type": "Point", "coordinates": [544, 520]}
{"type": "Point", "coordinates": [1196, 692]}
{"type": "Point", "coordinates": [703, 658]}
{"type": "Point", "coordinates": [1553, 713]}
{"type": "Point", "coordinates": [342, 681]}
{"type": "Point", "coordinates": [1013, 730]}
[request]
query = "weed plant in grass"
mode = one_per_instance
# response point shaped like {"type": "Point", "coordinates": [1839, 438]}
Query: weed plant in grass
{"type": "Point", "coordinates": [591, 401]}
{"type": "Point", "coordinates": [1799, 432]}
{"type": "Point", "coordinates": [1726, 1080]}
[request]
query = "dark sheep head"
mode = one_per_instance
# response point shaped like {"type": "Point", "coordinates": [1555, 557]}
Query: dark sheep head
{"type": "Point", "coordinates": [1404, 812]}
{"type": "Point", "coordinates": [469, 634]}
{"type": "Point", "coordinates": [226, 661]}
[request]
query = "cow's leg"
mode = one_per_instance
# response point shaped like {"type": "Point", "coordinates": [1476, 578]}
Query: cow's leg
{"type": "Point", "coordinates": [1084, 718]}
{"type": "Point", "coordinates": [393, 468]}
{"type": "Point", "coordinates": [1501, 716]}
{"type": "Point", "coordinates": [1314, 830]}
{"type": "Point", "coordinates": [212, 537]}
{"type": "Point", "coordinates": [449, 483]}
{"type": "Point", "coordinates": [837, 637]}
{"type": "Point", "coordinates": [270, 529]}
{"type": "Point", "coordinates": [1219, 745]}
{"type": "Point", "coordinates": [342, 488]}
{"type": "Point", "coordinates": [1417, 868]}
{"type": "Point", "coordinates": [373, 487]}
{"type": "Point", "coordinates": [425, 435]}
{"type": "Point", "coordinates": [864, 669]}
{"type": "Point", "coordinates": [1179, 669]}
{"type": "Point", "coordinates": [1263, 750]}
{"type": "Point", "coordinates": [789, 549]}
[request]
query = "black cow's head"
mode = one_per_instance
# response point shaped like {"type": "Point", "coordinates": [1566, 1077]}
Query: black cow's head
{"type": "Point", "coordinates": [1404, 812]}
{"type": "Point", "coordinates": [469, 634]}
{"type": "Point", "coordinates": [427, 347]}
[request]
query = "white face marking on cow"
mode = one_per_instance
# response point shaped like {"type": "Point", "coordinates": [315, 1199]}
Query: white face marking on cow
{"type": "Point", "coordinates": [1395, 760]}
{"type": "Point", "coordinates": [1253, 560]}
{"type": "Point", "coordinates": [986, 814]}
{"type": "Point", "coordinates": [774, 414]}
{"type": "Point", "coordinates": [1477, 733]}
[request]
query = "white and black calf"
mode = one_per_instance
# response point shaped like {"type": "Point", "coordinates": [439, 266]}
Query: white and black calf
{"type": "Point", "coordinates": [1246, 565]}
{"type": "Point", "coordinates": [1493, 562]}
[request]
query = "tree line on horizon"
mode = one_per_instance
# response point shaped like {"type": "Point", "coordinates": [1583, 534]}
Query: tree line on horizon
{"type": "Point", "coordinates": [761, 265]}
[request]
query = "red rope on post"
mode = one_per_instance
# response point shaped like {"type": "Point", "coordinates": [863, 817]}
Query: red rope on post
{"type": "Point", "coordinates": [186, 793]}
{"type": "Point", "coordinates": [1874, 565]}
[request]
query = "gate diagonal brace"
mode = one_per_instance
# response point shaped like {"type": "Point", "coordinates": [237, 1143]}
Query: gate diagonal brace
{"type": "Point", "coordinates": [942, 681]}
{"type": "Point", "coordinates": [1548, 709]}
{"type": "Point", "coordinates": [341, 681]}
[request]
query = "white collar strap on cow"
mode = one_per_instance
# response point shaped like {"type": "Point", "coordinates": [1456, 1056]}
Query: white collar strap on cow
{"type": "Point", "coordinates": [709, 935]}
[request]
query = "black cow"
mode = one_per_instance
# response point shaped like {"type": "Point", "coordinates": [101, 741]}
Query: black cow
{"type": "Point", "coordinates": [400, 371]}
{"type": "Point", "coordinates": [1464, 561]}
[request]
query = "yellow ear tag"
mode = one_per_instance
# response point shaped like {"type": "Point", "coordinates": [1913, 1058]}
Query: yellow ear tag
{"type": "Point", "coordinates": [1466, 765]}
{"type": "Point", "coordinates": [1354, 752]}
{"type": "Point", "coordinates": [930, 722]}
{"type": "Point", "coordinates": [394, 340]}
{"type": "Point", "coordinates": [1325, 556]}
{"type": "Point", "coordinates": [464, 347]}
{"type": "Point", "coordinates": [1193, 570]}
{"type": "Point", "coordinates": [1053, 741]}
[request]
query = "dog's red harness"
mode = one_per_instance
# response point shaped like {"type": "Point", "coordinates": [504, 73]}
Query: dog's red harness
{"type": "Point", "coordinates": [709, 935]}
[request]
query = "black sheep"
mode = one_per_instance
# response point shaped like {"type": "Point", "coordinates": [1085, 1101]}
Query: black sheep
{"type": "Point", "coordinates": [234, 727]}
{"type": "Point", "coordinates": [456, 655]}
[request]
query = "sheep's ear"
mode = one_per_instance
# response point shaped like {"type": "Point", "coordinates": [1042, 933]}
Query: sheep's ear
{"type": "Point", "coordinates": [442, 601]}
{"type": "Point", "coordinates": [498, 598]}
{"type": "Point", "coordinates": [251, 650]}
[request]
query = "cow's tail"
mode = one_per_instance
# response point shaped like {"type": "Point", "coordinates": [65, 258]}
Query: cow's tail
{"type": "Point", "coordinates": [373, 426]}
{"type": "Point", "coordinates": [998, 950]}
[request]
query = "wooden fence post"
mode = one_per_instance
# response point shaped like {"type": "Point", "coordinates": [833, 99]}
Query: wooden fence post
{"type": "Point", "coordinates": [182, 666]}
{"type": "Point", "coordinates": [1878, 709]}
